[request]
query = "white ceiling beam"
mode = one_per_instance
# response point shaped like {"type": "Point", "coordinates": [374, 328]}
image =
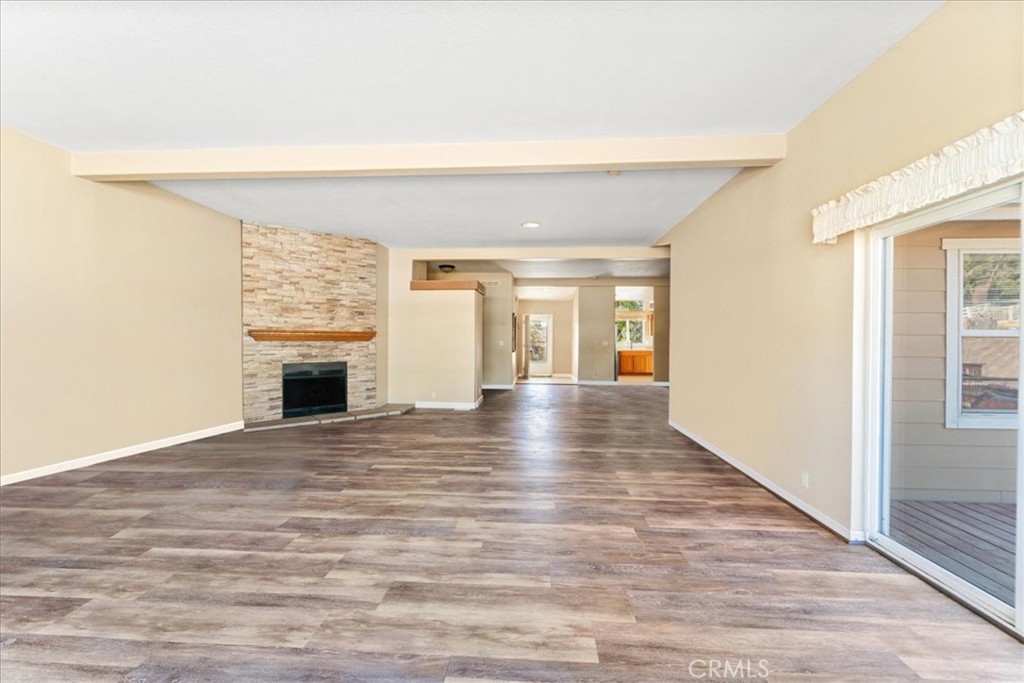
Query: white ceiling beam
{"type": "Point", "coordinates": [537, 253]}
{"type": "Point", "coordinates": [554, 156]}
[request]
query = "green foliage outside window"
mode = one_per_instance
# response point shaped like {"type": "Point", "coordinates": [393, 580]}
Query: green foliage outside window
{"type": "Point", "coordinates": [629, 305]}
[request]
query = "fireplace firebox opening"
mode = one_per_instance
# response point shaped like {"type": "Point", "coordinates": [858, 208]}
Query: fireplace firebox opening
{"type": "Point", "coordinates": [314, 388]}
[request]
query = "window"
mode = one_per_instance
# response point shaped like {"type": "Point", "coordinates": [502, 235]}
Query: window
{"type": "Point", "coordinates": [629, 331]}
{"type": "Point", "coordinates": [982, 332]}
{"type": "Point", "coordinates": [636, 331]}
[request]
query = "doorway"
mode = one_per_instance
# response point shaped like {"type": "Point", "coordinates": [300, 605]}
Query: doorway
{"type": "Point", "coordinates": [634, 335]}
{"type": "Point", "coordinates": [540, 342]}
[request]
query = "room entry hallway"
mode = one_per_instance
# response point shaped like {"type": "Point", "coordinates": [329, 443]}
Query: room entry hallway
{"type": "Point", "coordinates": [559, 533]}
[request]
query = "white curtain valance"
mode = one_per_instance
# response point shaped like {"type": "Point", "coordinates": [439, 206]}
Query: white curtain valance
{"type": "Point", "coordinates": [982, 158]}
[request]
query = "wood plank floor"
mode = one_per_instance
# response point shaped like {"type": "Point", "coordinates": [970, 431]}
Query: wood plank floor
{"type": "Point", "coordinates": [975, 541]}
{"type": "Point", "coordinates": [558, 534]}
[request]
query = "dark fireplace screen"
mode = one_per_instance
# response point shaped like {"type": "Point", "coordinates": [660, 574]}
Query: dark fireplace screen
{"type": "Point", "coordinates": [314, 388]}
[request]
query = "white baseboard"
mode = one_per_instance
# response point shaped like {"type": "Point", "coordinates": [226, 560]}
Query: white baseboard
{"type": "Point", "coordinates": [499, 387]}
{"type": "Point", "coordinates": [450, 405]}
{"type": "Point", "coordinates": [782, 493]}
{"type": "Point", "coordinates": [660, 384]}
{"type": "Point", "coordinates": [598, 382]}
{"type": "Point", "coordinates": [75, 464]}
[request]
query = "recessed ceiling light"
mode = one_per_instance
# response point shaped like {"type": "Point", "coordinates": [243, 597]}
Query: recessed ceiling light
{"type": "Point", "coordinates": [531, 224]}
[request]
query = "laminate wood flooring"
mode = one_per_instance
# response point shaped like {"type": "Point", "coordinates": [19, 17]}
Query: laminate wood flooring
{"type": "Point", "coordinates": [557, 534]}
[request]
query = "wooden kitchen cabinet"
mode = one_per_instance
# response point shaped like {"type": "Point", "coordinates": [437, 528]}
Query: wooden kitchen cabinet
{"type": "Point", "coordinates": [636, 362]}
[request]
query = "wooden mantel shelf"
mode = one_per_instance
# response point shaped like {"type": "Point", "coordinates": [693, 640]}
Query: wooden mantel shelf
{"type": "Point", "coordinates": [447, 285]}
{"type": "Point", "coordinates": [312, 335]}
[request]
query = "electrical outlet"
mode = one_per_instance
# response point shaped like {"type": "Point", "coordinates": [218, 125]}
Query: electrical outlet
{"type": "Point", "coordinates": [805, 480]}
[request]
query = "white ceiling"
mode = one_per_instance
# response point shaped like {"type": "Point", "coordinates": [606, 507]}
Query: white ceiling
{"type": "Point", "coordinates": [545, 293]}
{"type": "Point", "coordinates": [645, 294]}
{"type": "Point", "coordinates": [91, 76]}
{"type": "Point", "coordinates": [151, 75]}
{"type": "Point", "coordinates": [533, 293]}
{"type": "Point", "coordinates": [631, 209]}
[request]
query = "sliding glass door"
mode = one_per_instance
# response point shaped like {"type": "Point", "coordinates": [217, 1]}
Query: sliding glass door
{"type": "Point", "coordinates": [950, 310]}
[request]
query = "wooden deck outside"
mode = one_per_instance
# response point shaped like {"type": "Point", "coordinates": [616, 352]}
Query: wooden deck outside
{"type": "Point", "coordinates": [975, 541]}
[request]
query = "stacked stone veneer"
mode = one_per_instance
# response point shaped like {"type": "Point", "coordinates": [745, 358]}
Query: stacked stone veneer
{"type": "Point", "coordinates": [306, 280]}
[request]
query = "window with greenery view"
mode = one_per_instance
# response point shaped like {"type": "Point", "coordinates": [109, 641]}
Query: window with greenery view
{"type": "Point", "coordinates": [631, 331]}
{"type": "Point", "coordinates": [983, 331]}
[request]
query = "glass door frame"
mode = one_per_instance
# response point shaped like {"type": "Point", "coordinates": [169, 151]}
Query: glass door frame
{"type": "Point", "coordinates": [874, 250]}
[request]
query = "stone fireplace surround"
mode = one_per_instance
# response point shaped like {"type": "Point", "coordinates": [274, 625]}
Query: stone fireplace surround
{"type": "Point", "coordinates": [299, 280]}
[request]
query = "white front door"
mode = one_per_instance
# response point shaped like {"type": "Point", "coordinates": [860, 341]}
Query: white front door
{"type": "Point", "coordinates": [539, 345]}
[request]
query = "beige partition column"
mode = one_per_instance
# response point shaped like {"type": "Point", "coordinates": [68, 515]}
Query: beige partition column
{"type": "Point", "coordinates": [497, 325]}
{"type": "Point", "coordinates": [575, 358]}
{"type": "Point", "coordinates": [662, 336]}
{"type": "Point", "coordinates": [383, 285]}
{"type": "Point", "coordinates": [435, 340]}
{"type": "Point", "coordinates": [597, 334]}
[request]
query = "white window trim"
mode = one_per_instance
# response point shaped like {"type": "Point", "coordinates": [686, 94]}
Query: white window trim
{"type": "Point", "coordinates": [955, 249]}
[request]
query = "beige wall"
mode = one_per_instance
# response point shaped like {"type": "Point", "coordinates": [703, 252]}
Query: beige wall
{"type": "Point", "coordinates": [432, 339]}
{"type": "Point", "coordinates": [929, 461]}
{"type": "Point", "coordinates": [478, 346]}
{"type": "Point", "coordinates": [383, 284]}
{"type": "Point", "coordinates": [596, 334]}
{"type": "Point", "coordinates": [762, 350]}
{"type": "Point", "coordinates": [662, 335]}
{"type": "Point", "coordinates": [562, 323]}
{"type": "Point", "coordinates": [120, 309]}
{"type": "Point", "coordinates": [574, 370]}
{"type": "Point", "coordinates": [498, 361]}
